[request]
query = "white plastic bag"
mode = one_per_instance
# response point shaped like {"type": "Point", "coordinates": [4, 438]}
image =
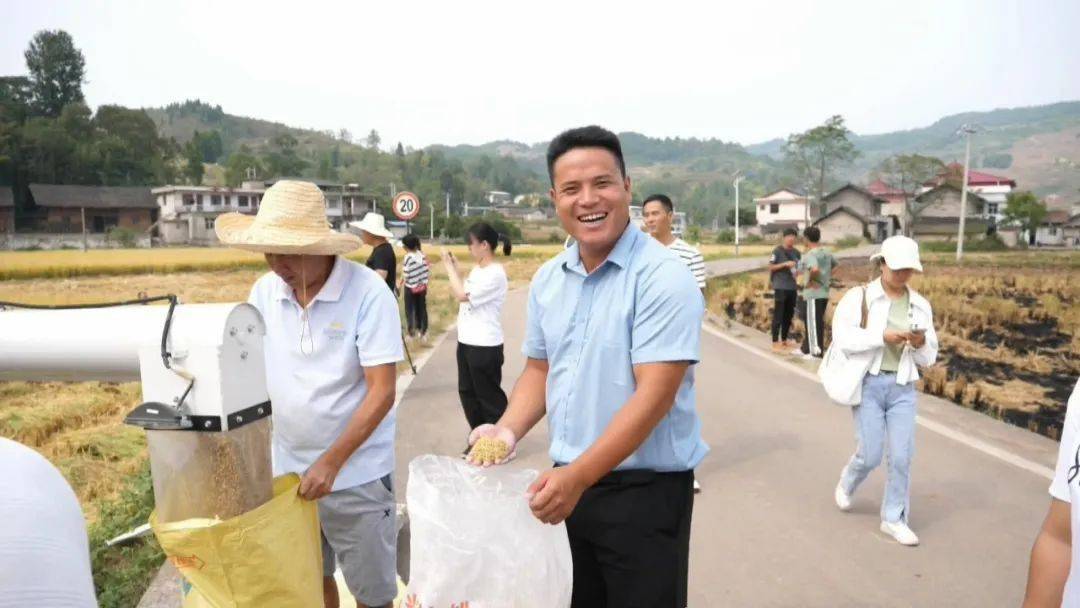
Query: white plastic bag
{"type": "Point", "coordinates": [476, 544]}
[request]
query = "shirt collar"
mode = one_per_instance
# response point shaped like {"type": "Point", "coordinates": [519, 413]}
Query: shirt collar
{"type": "Point", "coordinates": [331, 289]}
{"type": "Point", "coordinates": [620, 254]}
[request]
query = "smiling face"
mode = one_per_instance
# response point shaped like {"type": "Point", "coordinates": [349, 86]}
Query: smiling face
{"type": "Point", "coordinates": [657, 218]}
{"type": "Point", "coordinates": [592, 198]}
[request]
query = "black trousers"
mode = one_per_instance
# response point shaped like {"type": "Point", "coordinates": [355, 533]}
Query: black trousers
{"type": "Point", "coordinates": [630, 541]}
{"type": "Point", "coordinates": [416, 312]}
{"type": "Point", "coordinates": [812, 313]}
{"type": "Point", "coordinates": [479, 383]}
{"type": "Point", "coordinates": [783, 312]}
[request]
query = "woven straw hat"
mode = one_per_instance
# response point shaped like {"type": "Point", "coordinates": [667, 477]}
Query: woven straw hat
{"type": "Point", "coordinates": [291, 220]}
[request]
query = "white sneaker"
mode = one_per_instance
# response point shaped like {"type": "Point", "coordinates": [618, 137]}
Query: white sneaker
{"type": "Point", "coordinates": [901, 532]}
{"type": "Point", "coordinates": [697, 487]}
{"type": "Point", "coordinates": [843, 501]}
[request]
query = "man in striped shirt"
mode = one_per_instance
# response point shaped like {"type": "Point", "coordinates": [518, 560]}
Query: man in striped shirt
{"type": "Point", "coordinates": [658, 212]}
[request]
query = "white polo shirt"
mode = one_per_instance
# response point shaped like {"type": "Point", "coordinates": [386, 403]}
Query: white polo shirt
{"type": "Point", "coordinates": [354, 324]}
{"type": "Point", "coordinates": [1066, 487]}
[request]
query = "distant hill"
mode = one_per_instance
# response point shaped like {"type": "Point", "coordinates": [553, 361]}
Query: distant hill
{"type": "Point", "coordinates": [1038, 146]}
{"type": "Point", "coordinates": [180, 121]}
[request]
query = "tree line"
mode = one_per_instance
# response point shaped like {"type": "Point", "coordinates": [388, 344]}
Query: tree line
{"type": "Point", "coordinates": [48, 134]}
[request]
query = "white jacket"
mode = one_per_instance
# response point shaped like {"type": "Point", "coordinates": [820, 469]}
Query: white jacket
{"type": "Point", "coordinates": [847, 334]}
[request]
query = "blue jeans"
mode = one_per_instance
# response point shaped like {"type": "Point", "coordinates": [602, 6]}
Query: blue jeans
{"type": "Point", "coordinates": [886, 414]}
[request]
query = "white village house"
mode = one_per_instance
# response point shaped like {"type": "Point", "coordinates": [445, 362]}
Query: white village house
{"type": "Point", "coordinates": [993, 189]}
{"type": "Point", "coordinates": [784, 208]}
{"type": "Point", "coordinates": [187, 213]}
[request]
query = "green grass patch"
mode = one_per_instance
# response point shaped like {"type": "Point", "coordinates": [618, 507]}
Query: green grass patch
{"type": "Point", "coordinates": [122, 574]}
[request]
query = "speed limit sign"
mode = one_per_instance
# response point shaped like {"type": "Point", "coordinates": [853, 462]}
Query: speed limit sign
{"type": "Point", "coordinates": [406, 206]}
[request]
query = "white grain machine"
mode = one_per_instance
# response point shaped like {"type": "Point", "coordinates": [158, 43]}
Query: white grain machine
{"type": "Point", "coordinates": [205, 407]}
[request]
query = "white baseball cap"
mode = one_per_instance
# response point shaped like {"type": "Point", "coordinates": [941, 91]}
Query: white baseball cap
{"type": "Point", "coordinates": [899, 253]}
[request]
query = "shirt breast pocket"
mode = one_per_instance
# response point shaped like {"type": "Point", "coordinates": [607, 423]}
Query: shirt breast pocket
{"type": "Point", "coordinates": [614, 359]}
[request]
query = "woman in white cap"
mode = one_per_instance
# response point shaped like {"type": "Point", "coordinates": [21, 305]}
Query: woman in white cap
{"type": "Point", "coordinates": [890, 327]}
{"type": "Point", "coordinates": [332, 343]}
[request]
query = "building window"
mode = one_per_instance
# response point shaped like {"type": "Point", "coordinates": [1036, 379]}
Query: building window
{"type": "Point", "coordinates": [991, 208]}
{"type": "Point", "coordinates": [209, 223]}
{"type": "Point", "coordinates": [1051, 230]}
{"type": "Point", "coordinates": [202, 199]}
{"type": "Point", "coordinates": [774, 208]}
{"type": "Point", "coordinates": [189, 200]}
{"type": "Point", "coordinates": [215, 200]}
{"type": "Point", "coordinates": [334, 203]}
{"type": "Point", "coordinates": [243, 200]}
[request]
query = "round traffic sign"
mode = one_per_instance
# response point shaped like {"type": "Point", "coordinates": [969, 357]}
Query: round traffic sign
{"type": "Point", "coordinates": [406, 206]}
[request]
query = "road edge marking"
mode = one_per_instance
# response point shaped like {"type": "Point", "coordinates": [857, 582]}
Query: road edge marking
{"type": "Point", "coordinates": [404, 381]}
{"type": "Point", "coordinates": [930, 425]}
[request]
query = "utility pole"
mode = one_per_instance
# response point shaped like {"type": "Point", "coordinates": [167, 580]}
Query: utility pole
{"type": "Point", "coordinates": [432, 236]}
{"type": "Point", "coordinates": [966, 131]}
{"type": "Point", "coordinates": [738, 178]}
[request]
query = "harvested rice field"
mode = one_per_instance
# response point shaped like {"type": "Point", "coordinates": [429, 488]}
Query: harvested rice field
{"type": "Point", "coordinates": [1008, 323]}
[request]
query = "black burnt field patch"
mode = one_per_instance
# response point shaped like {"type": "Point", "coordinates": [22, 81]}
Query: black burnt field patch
{"type": "Point", "coordinates": [1023, 338]}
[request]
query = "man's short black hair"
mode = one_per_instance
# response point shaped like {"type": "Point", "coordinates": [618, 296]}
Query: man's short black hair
{"type": "Point", "coordinates": [584, 137]}
{"type": "Point", "coordinates": [791, 232]}
{"type": "Point", "coordinates": [411, 242]}
{"type": "Point", "coordinates": [812, 234]}
{"type": "Point", "coordinates": [659, 198]}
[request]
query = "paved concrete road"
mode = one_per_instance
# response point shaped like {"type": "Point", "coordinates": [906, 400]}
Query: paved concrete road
{"type": "Point", "coordinates": [766, 532]}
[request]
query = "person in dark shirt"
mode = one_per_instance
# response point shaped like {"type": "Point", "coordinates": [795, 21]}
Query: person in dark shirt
{"type": "Point", "coordinates": [383, 260]}
{"type": "Point", "coordinates": [782, 265]}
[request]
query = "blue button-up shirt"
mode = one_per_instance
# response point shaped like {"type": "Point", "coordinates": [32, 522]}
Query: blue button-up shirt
{"type": "Point", "coordinates": [641, 305]}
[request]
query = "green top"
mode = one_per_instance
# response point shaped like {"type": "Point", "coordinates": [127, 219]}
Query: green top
{"type": "Point", "coordinates": [820, 258]}
{"type": "Point", "coordinates": [898, 320]}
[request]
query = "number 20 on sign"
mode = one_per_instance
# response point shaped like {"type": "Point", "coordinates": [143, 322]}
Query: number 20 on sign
{"type": "Point", "coordinates": [406, 206]}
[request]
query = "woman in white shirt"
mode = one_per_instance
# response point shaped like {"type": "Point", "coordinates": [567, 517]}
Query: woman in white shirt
{"type": "Point", "coordinates": [479, 327]}
{"type": "Point", "coordinates": [1054, 576]}
{"type": "Point", "coordinates": [890, 328]}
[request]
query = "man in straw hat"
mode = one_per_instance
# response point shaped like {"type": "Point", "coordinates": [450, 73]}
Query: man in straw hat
{"type": "Point", "coordinates": [374, 233]}
{"type": "Point", "coordinates": [333, 340]}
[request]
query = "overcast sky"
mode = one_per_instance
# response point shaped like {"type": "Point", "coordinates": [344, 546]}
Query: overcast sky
{"type": "Point", "coordinates": [469, 72]}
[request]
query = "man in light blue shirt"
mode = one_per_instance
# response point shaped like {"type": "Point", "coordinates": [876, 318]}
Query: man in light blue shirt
{"type": "Point", "coordinates": [614, 326]}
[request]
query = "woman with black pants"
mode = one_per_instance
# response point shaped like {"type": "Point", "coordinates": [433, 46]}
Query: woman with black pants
{"type": "Point", "coordinates": [414, 284]}
{"type": "Point", "coordinates": [479, 326]}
